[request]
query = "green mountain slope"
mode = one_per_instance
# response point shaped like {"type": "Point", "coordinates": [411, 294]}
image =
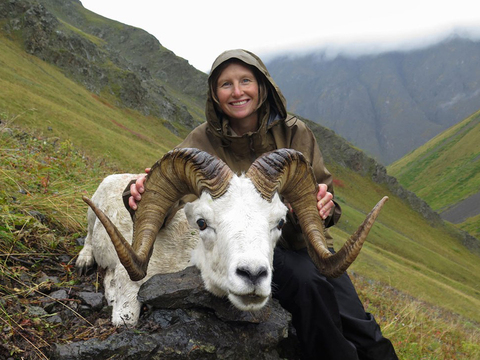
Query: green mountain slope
{"type": "Point", "coordinates": [40, 97]}
{"type": "Point", "coordinates": [409, 248]}
{"type": "Point", "coordinates": [445, 172]}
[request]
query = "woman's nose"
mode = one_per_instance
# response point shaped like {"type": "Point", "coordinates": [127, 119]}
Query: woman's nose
{"type": "Point", "coordinates": [237, 91]}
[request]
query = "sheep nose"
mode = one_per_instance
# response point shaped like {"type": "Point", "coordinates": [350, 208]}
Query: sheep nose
{"type": "Point", "coordinates": [252, 275]}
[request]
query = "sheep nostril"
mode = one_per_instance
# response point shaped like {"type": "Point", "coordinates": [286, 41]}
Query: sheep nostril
{"type": "Point", "coordinates": [250, 275]}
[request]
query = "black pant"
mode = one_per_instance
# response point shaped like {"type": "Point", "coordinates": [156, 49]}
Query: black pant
{"type": "Point", "coordinates": [327, 314]}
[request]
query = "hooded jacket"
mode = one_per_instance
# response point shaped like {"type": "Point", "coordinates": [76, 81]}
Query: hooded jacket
{"type": "Point", "coordinates": [276, 130]}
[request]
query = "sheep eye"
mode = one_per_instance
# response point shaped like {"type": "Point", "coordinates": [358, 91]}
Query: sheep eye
{"type": "Point", "coordinates": [202, 224]}
{"type": "Point", "coordinates": [280, 224]}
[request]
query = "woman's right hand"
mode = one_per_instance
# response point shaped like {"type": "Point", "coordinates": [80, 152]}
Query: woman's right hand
{"type": "Point", "coordinates": [136, 190]}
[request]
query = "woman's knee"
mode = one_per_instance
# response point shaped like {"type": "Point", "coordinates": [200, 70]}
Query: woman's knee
{"type": "Point", "coordinates": [295, 271]}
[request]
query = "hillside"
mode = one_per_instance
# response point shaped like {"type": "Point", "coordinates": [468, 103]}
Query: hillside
{"type": "Point", "coordinates": [91, 93]}
{"type": "Point", "coordinates": [445, 172]}
{"type": "Point", "coordinates": [62, 130]}
{"type": "Point", "coordinates": [387, 104]}
{"type": "Point", "coordinates": [111, 60]}
{"type": "Point", "coordinates": [43, 300]}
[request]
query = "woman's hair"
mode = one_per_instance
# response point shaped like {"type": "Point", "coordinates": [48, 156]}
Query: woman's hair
{"type": "Point", "coordinates": [261, 81]}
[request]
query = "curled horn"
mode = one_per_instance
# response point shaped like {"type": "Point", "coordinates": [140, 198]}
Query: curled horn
{"type": "Point", "coordinates": [178, 173]}
{"type": "Point", "coordinates": [287, 172]}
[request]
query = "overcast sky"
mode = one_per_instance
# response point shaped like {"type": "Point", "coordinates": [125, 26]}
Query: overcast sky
{"type": "Point", "coordinates": [200, 30]}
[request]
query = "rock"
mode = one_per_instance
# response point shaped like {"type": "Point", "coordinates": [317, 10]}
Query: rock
{"type": "Point", "coordinates": [46, 278]}
{"type": "Point", "coordinates": [94, 300]}
{"type": "Point", "coordinates": [52, 300]}
{"type": "Point", "coordinates": [185, 289]}
{"type": "Point", "coordinates": [54, 319]}
{"type": "Point", "coordinates": [187, 322]}
{"type": "Point", "coordinates": [80, 241]}
{"type": "Point", "coordinates": [37, 311]}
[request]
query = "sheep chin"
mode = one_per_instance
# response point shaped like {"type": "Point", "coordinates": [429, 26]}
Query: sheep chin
{"type": "Point", "coordinates": [248, 302]}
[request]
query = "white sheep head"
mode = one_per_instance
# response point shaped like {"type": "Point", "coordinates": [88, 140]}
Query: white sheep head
{"type": "Point", "coordinates": [239, 220]}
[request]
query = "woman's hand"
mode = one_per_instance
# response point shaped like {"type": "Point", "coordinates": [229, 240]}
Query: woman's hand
{"type": "Point", "coordinates": [325, 201]}
{"type": "Point", "coordinates": [136, 190]}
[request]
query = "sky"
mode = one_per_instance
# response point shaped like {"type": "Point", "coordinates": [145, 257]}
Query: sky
{"type": "Point", "coordinates": [199, 31]}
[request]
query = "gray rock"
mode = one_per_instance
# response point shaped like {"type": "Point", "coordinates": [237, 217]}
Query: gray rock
{"type": "Point", "coordinates": [52, 300]}
{"type": "Point", "coordinates": [37, 311]}
{"type": "Point", "coordinates": [187, 322]}
{"type": "Point", "coordinates": [94, 300]}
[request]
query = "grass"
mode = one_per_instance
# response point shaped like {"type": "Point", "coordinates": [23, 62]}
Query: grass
{"type": "Point", "coordinates": [41, 183]}
{"type": "Point", "coordinates": [417, 329]}
{"type": "Point", "coordinates": [41, 214]}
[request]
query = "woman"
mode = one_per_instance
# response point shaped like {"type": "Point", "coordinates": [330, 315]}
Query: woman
{"type": "Point", "coordinates": [246, 117]}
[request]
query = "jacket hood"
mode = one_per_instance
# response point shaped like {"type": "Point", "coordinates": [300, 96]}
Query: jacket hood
{"type": "Point", "coordinates": [274, 111]}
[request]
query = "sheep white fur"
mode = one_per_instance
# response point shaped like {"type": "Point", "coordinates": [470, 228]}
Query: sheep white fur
{"type": "Point", "coordinates": [235, 254]}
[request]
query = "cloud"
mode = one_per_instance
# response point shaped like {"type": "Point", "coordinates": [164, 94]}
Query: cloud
{"type": "Point", "coordinates": [350, 48]}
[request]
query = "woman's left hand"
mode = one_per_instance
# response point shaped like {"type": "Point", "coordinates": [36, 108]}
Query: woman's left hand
{"type": "Point", "coordinates": [325, 201]}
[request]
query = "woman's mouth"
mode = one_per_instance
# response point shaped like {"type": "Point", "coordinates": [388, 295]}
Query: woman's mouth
{"type": "Point", "coordinates": [239, 103]}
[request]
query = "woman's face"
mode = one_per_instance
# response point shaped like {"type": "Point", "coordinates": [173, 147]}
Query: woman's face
{"type": "Point", "coordinates": [237, 93]}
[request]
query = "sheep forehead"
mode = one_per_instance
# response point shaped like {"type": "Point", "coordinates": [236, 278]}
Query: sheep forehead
{"type": "Point", "coordinates": [243, 199]}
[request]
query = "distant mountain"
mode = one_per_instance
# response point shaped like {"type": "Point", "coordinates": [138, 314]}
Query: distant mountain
{"type": "Point", "coordinates": [445, 172]}
{"type": "Point", "coordinates": [386, 104]}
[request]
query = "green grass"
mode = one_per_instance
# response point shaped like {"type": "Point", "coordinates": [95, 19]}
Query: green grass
{"type": "Point", "coordinates": [417, 329]}
{"type": "Point", "coordinates": [404, 251]}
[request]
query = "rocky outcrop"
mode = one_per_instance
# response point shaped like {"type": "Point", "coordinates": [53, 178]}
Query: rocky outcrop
{"type": "Point", "coordinates": [337, 150]}
{"type": "Point", "coordinates": [184, 321]}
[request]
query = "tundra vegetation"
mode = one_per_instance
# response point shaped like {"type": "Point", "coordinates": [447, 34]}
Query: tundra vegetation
{"type": "Point", "coordinates": [42, 214]}
{"type": "Point", "coordinates": [445, 172]}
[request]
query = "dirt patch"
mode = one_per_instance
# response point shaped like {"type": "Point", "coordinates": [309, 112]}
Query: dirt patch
{"type": "Point", "coordinates": [463, 210]}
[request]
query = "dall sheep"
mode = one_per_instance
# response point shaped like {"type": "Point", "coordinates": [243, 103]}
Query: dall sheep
{"type": "Point", "coordinates": [229, 232]}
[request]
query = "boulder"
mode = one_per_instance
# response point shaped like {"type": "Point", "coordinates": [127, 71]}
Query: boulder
{"type": "Point", "coordinates": [184, 321]}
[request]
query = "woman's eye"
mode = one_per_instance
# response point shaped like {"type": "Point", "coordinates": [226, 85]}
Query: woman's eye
{"type": "Point", "coordinates": [280, 224]}
{"type": "Point", "coordinates": [202, 224]}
